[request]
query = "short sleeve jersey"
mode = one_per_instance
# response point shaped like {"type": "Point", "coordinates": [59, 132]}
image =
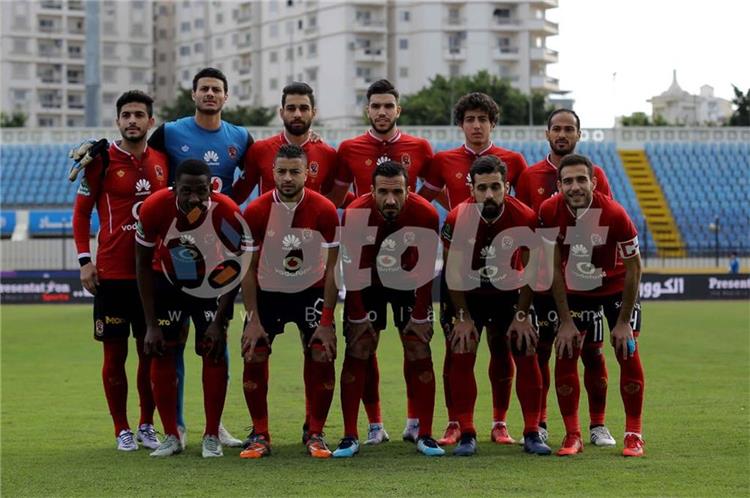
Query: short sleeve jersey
{"type": "Point", "coordinates": [607, 253]}
{"type": "Point", "coordinates": [358, 157]}
{"type": "Point", "coordinates": [313, 220]}
{"type": "Point", "coordinates": [450, 169]}
{"type": "Point", "coordinates": [117, 194]}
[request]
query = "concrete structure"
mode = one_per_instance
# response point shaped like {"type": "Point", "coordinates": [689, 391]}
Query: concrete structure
{"type": "Point", "coordinates": [43, 54]}
{"type": "Point", "coordinates": [679, 107]}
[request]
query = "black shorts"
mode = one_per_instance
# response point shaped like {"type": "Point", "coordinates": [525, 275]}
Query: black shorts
{"type": "Point", "coordinates": [495, 309]}
{"type": "Point", "coordinates": [589, 314]}
{"type": "Point", "coordinates": [117, 309]}
{"type": "Point", "coordinates": [544, 316]}
{"type": "Point", "coordinates": [174, 307]}
{"type": "Point", "coordinates": [447, 312]}
{"type": "Point", "coordinates": [376, 301]}
{"type": "Point", "coordinates": [304, 309]}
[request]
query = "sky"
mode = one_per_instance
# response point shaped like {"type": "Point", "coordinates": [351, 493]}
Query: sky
{"type": "Point", "coordinates": [616, 54]}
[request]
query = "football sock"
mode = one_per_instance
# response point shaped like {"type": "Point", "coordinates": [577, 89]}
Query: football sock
{"type": "Point", "coordinates": [255, 387]}
{"type": "Point", "coordinates": [543, 353]}
{"type": "Point", "coordinates": [322, 383]}
{"type": "Point", "coordinates": [632, 385]}
{"type": "Point", "coordinates": [411, 405]}
{"type": "Point", "coordinates": [595, 381]}
{"type": "Point", "coordinates": [307, 378]}
{"type": "Point", "coordinates": [145, 396]}
{"type": "Point", "coordinates": [214, 392]}
{"type": "Point", "coordinates": [463, 390]}
{"type": "Point", "coordinates": [446, 381]}
{"type": "Point", "coordinates": [529, 390]}
{"type": "Point", "coordinates": [371, 393]}
{"type": "Point", "coordinates": [353, 375]}
{"type": "Point", "coordinates": [180, 366]}
{"type": "Point", "coordinates": [568, 391]}
{"type": "Point", "coordinates": [501, 373]}
{"type": "Point", "coordinates": [422, 379]}
{"type": "Point", "coordinates": [116, 382]}
{"type": "Point", "coordinates": [164, 387]}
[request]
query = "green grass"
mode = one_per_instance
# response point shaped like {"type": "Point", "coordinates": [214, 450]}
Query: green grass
{"type": "Point", "coordinates": [57, 434]}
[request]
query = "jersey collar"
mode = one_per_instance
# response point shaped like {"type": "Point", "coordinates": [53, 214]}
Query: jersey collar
{"type": "Point", "coordinates": [123, 151]}
{"type": "Point", "coordinates": [490, 222]}
{"type": "Point", "coordinates": [294, 206]}
{"type": "Point", "coordinates": [395, 138]}
{"type": "Point", "coordinates": [583, 211]}
{"type": "Point", "coordinates": [481, 152]}
{"type": "Point", "coordinates": [286, 140]}
{"type": "Point", "coordinates": [550, 163]}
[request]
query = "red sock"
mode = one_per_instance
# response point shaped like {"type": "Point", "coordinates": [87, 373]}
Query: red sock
{"type": "Point", "coordinates": [353, 375]}
{"type": "Point", "coordinates": [306, 377]}
{"type": "Point", "coordinates": [595, 381]}
{"type": "Point", "coordinates": [145, 396]}
{"type": "Point", "coordinates": [371, 393]}
{"type": "Point", "coordinates": [116, 382]}
{"type": "Point", "coordinates": [632, 384]}
{"type": "Point", "coordinates": [501, 373]}
{"type": "Point", "coordinates": [422, 380]}
{"type": "Point", "coordinates": [543, 353]}
{"type": "Point", "coordinates": [446, 382]}
{"type": "Point", "coordinates": [255, 387]}
{"type": "Point", "coordinates": [411, 405]}
{"type": "Point", "coordinates": [568, 391]}
{"type": "Point", "coordinates": [463, 389]}
{"type": "Point", "coordinates": [529, 390]}
{"type": "Point", "coordinates": [164, 387]}
{"type": "Point", "coordinates": [322, 383]}
{"type": "Point", "coordinates": [214, 392]}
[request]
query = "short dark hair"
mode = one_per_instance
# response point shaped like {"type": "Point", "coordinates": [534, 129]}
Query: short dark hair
{"type": "Point", "coordinates": [560, 111]}
{"type": "Point", "coordinates": [390, 169]}
{"type": "Point", "coordinates": [380, 87]}
{"type": "Point", "coordinates": [210, 72]}
{"type": "Point", "coordinates": [575, 160]}
{"type": "Point", "coordinates": [297, 88]}
{"type": "Point", "coordinates": [487, 164]}
{"type": "Point", "coordinates": [472, 102]}
{"type": "Point", "coordinates": [192, 167]}
{"type": "Point", "coordinates": [291, 151]}
{"type": "Point", "coordinates": [135, 96]}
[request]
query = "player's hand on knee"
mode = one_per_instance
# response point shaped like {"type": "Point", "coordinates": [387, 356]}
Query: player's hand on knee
{"type": "Point", "coordinates": [252, 336]}
{"type": "Point", "coordinates": [622, 339]}
{"type": "Point", "coordinates": [423, 331]}
{"type": "Point", "coordinates": [153, 343]}
{"type": "Point", "coordinates": [568, 339]}
{"type": "Point", "coordinates": [523, 332]}
{"type": "Point", "coordinates": [326, 337]}
{"type": "Point", "coordinates": [463, 336]}
{"type": "Point", "coordinates": [358, 330]}
{"type": "Point", "coordinates": [89, 277]}
{"type": "Point", "coordinates": [216, 341]}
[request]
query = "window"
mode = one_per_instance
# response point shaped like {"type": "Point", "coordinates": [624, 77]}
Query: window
{"type": "Point", "coordinates": [162, 34]}
{"type": "Point", "coordinates": [312, 49]}
{"type": "Point", "coordinates": [109, 50]}
{"type": "Point", "coordinates": [163, 10]}
{"type": "Point", "coordinates": [312, 22]}
{"type": "Point", "coordinates": [163, 57]}
{"type": "Point", "coordinates": [198, 48]}
{"type": "Point", "coordinates": [405, 15]}
{"type": "Point", "coordinates": [184, 51]}
{"type": "Point", "coordinates": [454, 70]}
{"type": "Point", "coordinates": [289, 55]}
{"type": "Point", "coordinates": [312, 74]}
{"type": "Point", "coordinates": [137, 51]}
{"type": "Point", "coordinates": [162, 81]}
{"type": "Point", "coordinates": [19, 70]}
{"type": "Point", "coordinates": [45, 121]}
{"type": "Point", "coordinates": [403, 44]}
{"type": "Point", "coordinates": [185, 75]}
{"type": "Point", "coordinates": [454, 15]}
{"type": "Point", "coordinates": [137, 76]}
{"type": "Point", "coordinates": [108, 74]}
{"type": "Point", "coordinates": [137, 4]}
{"type": "Point", "coordinates": [274, 30]}
{"type": "Point", "coordinates": [75, 51]}
{"type": "Point", "coordinates": [273, 56]}
{"type": "Point", "coordinates": [299, 24]}
{"type": "Point", "coordinates": [19, 95]}
{"type": "Point", "coordinates": [185, 26]}
{"type": "Point", "coordinates": [273, 84]}
{"type": "Point", "coordinates": [109, 27]}
{"type": "Point", "coordinates": [299, 51]}
{"type": "Point", "coordinates": [403, 72]}
{"type": "Point", "coordinates": [219, 18]}
{"type": "Point", "coordinates": [46, 25]}
{"type": "Point", "coordinates": [219, 42]}
{"type": "Point", "coordinates": [199, 23]}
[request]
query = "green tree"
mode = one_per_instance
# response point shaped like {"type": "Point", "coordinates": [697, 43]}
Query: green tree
{"type": "Point", "coordinates": [642, 119]}
{"type": "Point", "coordinates": [183, 106]}
{"type": "Point", "coordinates": [433, 105]}
{"type": "Point", "coordinates": [15, 120]}
{"type": "Point", "coordinates": [741, 115]}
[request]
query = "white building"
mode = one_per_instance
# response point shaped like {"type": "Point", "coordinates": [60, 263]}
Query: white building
{"type": "Point", "coordinates": [44, 54]}
{"type": "Point", "coordinates": [342, 47]}
{"type": "Point", "coordinates": [679, 107]}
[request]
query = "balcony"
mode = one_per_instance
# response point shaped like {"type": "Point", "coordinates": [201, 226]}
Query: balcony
{"type": "Point", "coordinates": [363, 82]}
{"type": "Point", "coordinates": [311, 29]}
{"type": "Point", "coordinates": [51, 52]}
{"type": "Point", "coordinates": [369, 55]}
{"type": "Point", "coordinates": [507, 23]}
{"type": "Point", "coordinates": [545, 83]}
{"type": "Point", "coordinates": [454, 22]}
{"type": "Point", "coordinates": [550, 4]}
{"type": "Point", "coordinates": [505, 53]}
{"type": "Point", "coordinates": [51, 4]}
{"type": "Point", "coordinates": [544, 26]}
{"type": "Point", "coordinates": [245, 70]}
{"type": "Point", "coordinates": [544, 54]}
{"type": "Point", "coordinates": [454, 53]}
{"type": "Point", "coordinates": [75, 5]}
{"type": "Point", "coordinates": [365, 25]}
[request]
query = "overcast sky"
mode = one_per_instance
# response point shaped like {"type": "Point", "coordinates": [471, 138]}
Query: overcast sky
{"type": "Point", "coordinates": [642, 41]}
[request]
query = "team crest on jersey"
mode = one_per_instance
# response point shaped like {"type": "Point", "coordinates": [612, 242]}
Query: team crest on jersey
{"type": "Point", "coordinates": [368, 162]}
{"type": "Point", "coordinates": [159, 171]}
{"type": "Point", "coordinates": [596, 239]}
{"type": "Point", "coordinates": [232, 151]}
{"type": "Point", "coordinates": [306, 234]}
{"type": "Point", "coordinates": [409, 238]}
{"type": "Point", "coordinates": [506, 242]}
{"type": "Point", "coordinates": [406, 160]}
{"type": "Point", "coordinates": [99, 328]}
{"type": "Point", "coordinates": [458, 176]}
{"type": "Point", "coordinates": [120, 173]}
{"type": "Point", "coordinates": [314, 168]}
{"type": "Point", "coordinates": [185, 148]}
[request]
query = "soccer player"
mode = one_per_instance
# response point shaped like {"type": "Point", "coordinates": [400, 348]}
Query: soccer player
{"type": "Point", "coordinates": [476, 114]}
{"type": "Point", "coordinates": [597, 273]}
{"type": "Point", "coordinates": [116, 183]}
{"type": "Point", "coordinates": [184, 228]}
{"type": "Point", "coordinates": [492, 301]}
{"type": "Point", "coordinates": [221, 145]}
{"type": "Point", "coordinates": [535, 185]}
{"type": "Point", "coordinates": [357, 159]}
{"type": "Point", "coordinates": [398, 261]}
{"type": "Point", "coordinates": [294, 235]}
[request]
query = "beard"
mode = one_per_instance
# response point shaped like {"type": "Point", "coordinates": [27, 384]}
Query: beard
{"type": "Point", "coordinates": [391, 125]}
{"type": "Point", "coordinates": [490, 210]}
{"type": "Point", "coordinates": [298, 131]}
{"type": "Point", "coordinates": [133, 139]}
{"type": "Point", "coordinates": [562, 150]}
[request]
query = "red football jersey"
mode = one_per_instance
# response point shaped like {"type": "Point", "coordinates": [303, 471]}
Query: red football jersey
{"type": "Point", "coordinates": [117, 195]}
{"type": "Point", "coordinates": [539, 182]}
{"type": "Point", "coordinates": [415, 213]}
{"type": "Point", "coordinates": [487, 255]}
{"type": "Point", "coordinates": [357, 158]}
{"type": "Point", "coordinates": [313, 219]}
{"type": "Point", "coordinates": [593, 255]}
{"type": "Point", "coordinates": [450, 169]}
{"type": "Point", "coordinates": [321, 164]}
{"type": "Point", "coordinates": [187, 243]}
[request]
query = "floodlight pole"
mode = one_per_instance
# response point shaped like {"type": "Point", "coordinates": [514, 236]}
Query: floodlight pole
{"type": "Point", "coordinates": [716, 240]}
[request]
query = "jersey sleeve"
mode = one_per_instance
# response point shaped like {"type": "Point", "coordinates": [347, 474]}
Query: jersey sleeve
{"type": "Point", "coordinates": [248, 179]}
{"type": "Point", "coordinates": [428, 158]}
{"type": "Point", "coordinates": [88, 191]}
{"type": "Point", "coordinates": [626, 236]}
{"type": "Point", "coordinates": [518, 166]}
{"type": "Point", "coordinates": [522, 189]}
{"type": "Point", "coordinates": [157, 140]}
{"type": "Point", "coordinates": [147, 228]}
{"type": "Point", "coordinates": [433, 179]}
{"type": "Point", "coordinates": [343, 171]}
{"type": "Point", "coordinates": [328, 221]}
{"type": "Point", "coordinates": [602, 184]}
{"type": "Point", "coordinates": [423, 295]}
{"type": "Point", "coordinates": [253, 219]}
{"type": "Point", "coordinates": [446, 234]}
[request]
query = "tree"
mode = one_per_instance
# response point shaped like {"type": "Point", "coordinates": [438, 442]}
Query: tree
{"type": "Point", "coordinates": [183, 106]}
{"type": "Point", "coordinates": [15, 120]}
{"type": "Point", "coordinates": [433, 105]}
{"type": "Point", "coordinates": [642, 119]}
{"type": "Point", "coordinates": [741, 115]}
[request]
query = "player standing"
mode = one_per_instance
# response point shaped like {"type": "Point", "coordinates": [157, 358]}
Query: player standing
{"type": "Point", "coordinates": [397, 258]}
{"type": "Point", "coordinates": [186, 228]}
{"type": "Point", "coordinates": [597, 272]}
{"type": "Point", "coordinates": [294, 234]}
{"type": "Point", "coordinates": [535, 185]}
{"type": "Point", "coordinates": [357, 159]}
{"type": "Point", "coordinates": [493, 302]}
{"type": "Point", "coordinates": [477, 114]}
{"type": "Point", "coordinates": [116, 184]}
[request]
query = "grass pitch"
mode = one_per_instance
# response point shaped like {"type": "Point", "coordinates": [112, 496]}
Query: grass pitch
{"type": "Point", "coordinates": [57, 437]}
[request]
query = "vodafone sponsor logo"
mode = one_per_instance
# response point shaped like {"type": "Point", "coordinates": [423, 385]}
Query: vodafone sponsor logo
{"type": "Point", "coordinates": [135, 211]}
